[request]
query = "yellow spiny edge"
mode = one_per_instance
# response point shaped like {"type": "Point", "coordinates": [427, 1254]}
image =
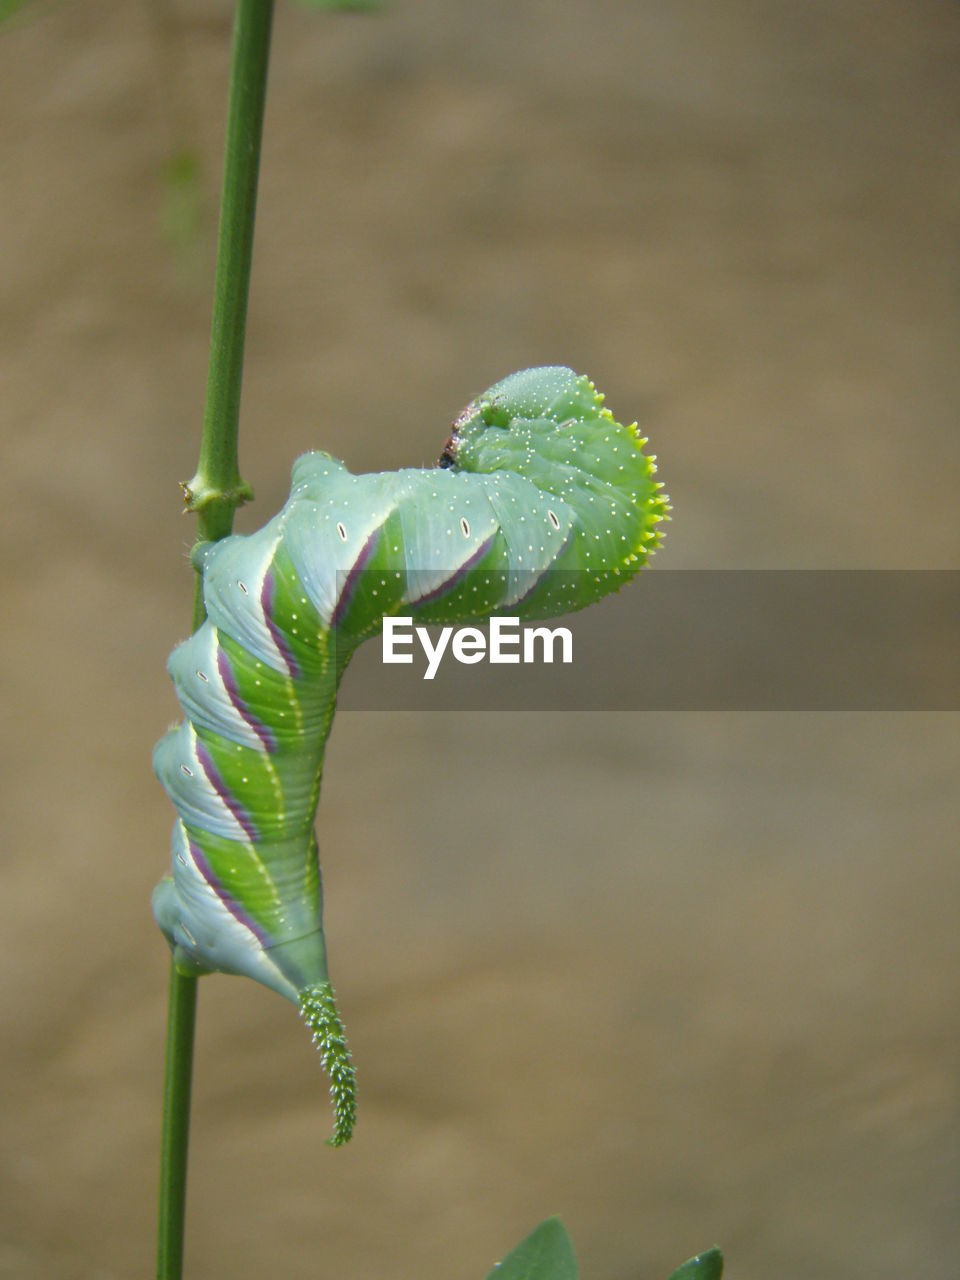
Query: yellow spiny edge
{"type": "Point", "coordinates": [318, 1008]}
{"type": "Point", "coordinates": [660, 507]}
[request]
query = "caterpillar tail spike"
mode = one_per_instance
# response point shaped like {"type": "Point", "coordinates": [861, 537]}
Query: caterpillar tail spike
{"type": "Point", "coordinates": [542, 503]}
{"type": "Point", "coordinates": [318, 1008]}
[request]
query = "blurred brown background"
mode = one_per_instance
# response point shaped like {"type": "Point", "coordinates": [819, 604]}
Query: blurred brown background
{"type": "Point", "coordinates": [680, 978]}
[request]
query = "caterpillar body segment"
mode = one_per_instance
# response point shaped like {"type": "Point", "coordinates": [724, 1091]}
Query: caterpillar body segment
{"type": "Point", "coordinates": [542, 503]}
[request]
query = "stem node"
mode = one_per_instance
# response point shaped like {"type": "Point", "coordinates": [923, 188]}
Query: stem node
{"type": "Point", "coordinates": [200, 495]}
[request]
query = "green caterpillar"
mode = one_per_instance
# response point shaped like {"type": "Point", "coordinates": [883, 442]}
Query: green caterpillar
{"type": "Point", "coordinates": [541, 504]}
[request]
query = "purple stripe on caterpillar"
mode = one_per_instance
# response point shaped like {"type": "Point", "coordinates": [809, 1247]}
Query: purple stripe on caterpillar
{"type": "Point", "coordinates": [218, 784]}
{"type": "Point", "coordinates": [353, 577]}
{"type": "Point", "coordinates": [279, 639]}
{"type": "Point", "coordinates": [229, 902]}
{"type": "Point", "coordinates": [458, 575]}
{"type": "Point", "coordinates": [225, 669]}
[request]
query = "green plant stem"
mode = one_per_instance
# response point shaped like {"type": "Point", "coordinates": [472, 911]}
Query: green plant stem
{"type": "Point", "coordinates": [214, 494]}
{"type": "Point", "coordinates": [218, 489]}
{"type": "Point", "coordinates": [181, 1019]}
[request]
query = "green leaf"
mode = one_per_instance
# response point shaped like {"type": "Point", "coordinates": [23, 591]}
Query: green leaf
{"type": "Point", "coordinates": [705, 1266]}
{"type": "Point", "coordinates": [546, 1254]}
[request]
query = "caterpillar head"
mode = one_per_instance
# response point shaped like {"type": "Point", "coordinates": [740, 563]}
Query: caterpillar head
{"type": "Point", "coordinates": [550, 426]}
{"type": "Point", "coordinates": [516, 411]}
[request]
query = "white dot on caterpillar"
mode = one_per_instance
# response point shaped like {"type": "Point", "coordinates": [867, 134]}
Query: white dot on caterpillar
{"type": "Point", "coordinates": [341, 531]}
